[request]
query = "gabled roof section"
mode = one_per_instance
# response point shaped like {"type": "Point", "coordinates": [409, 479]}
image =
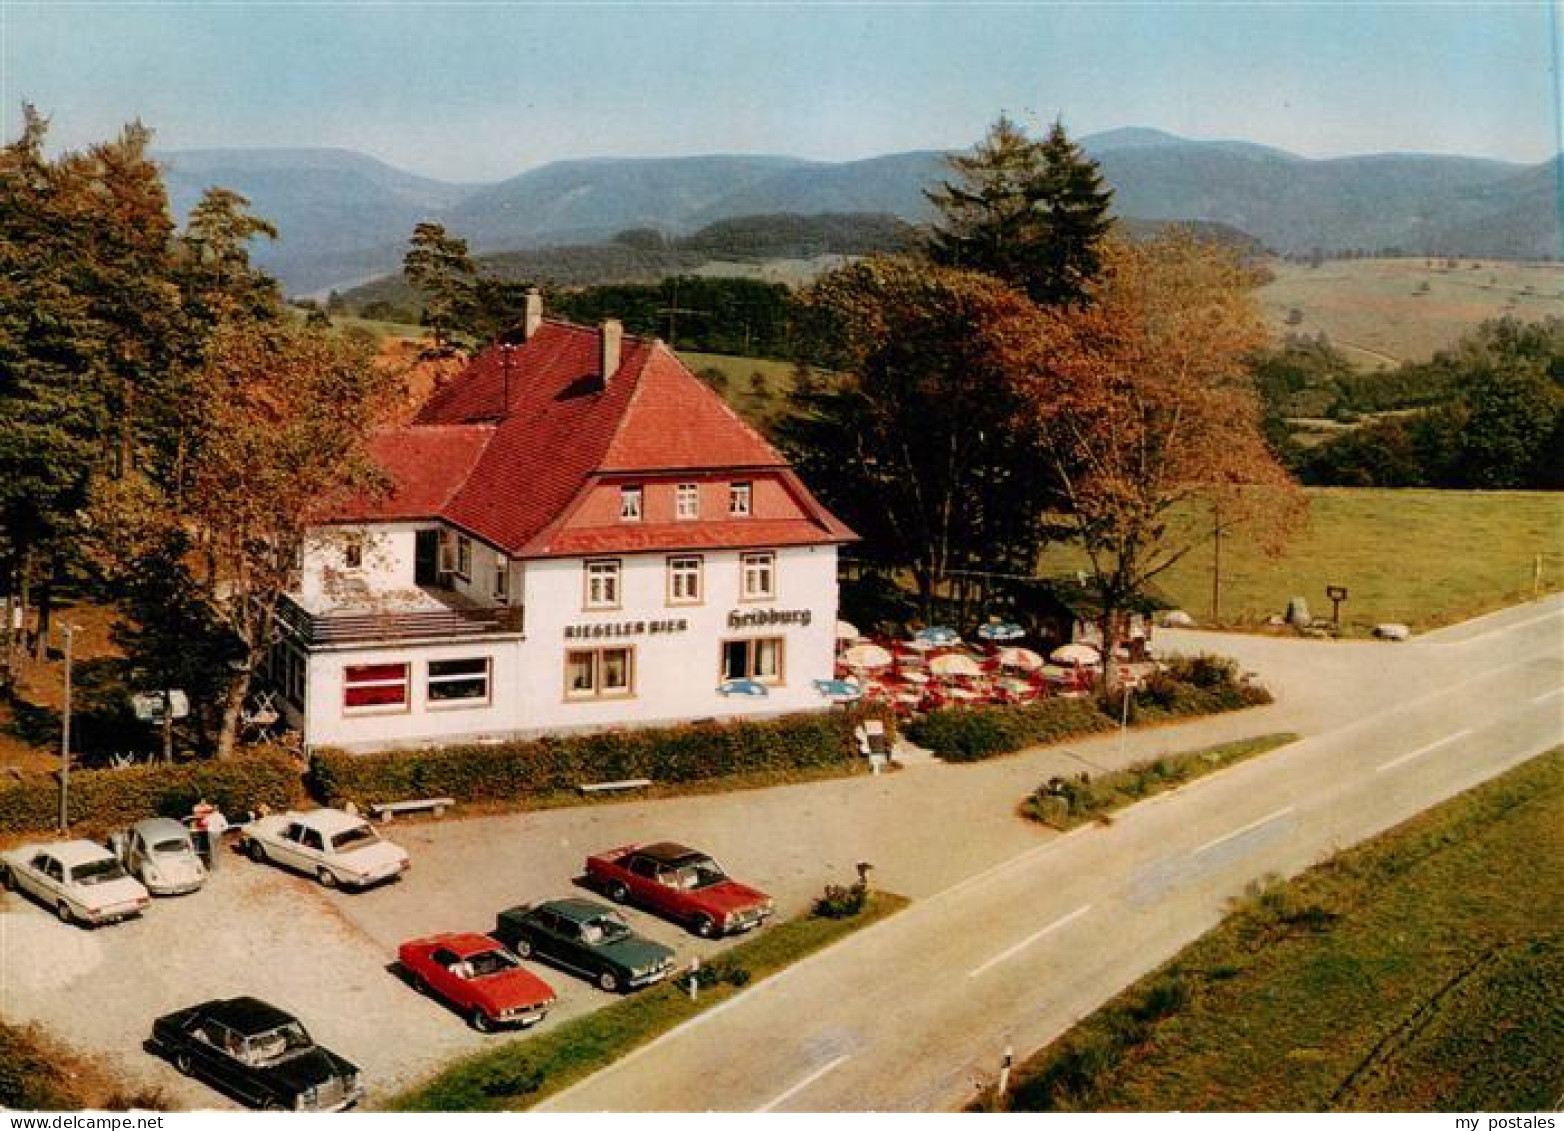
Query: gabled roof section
{"type": "Point", "coordinates": [505, 449]}
{"type": "Point", "coordinates": [674, 421]}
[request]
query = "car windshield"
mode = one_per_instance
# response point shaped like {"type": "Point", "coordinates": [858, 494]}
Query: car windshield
{"type": "Point", "coordinates": [173, 846]}
{"type": "Point", "coordinates": [356, 837]}
{"type": "Point", "coordinates": [604, 929]}
{"type": "Point", "coordinates": [97, 872]}
{"type": "Point", "coordinates": [697, 874]}
{"type": "Point", "coordinates": [276, 1044]}
{"type": "Point", "coordinates": [491, 962]}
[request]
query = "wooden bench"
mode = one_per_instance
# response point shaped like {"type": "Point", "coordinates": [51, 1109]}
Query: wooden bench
{"type": "Point", "coordinates": [387, 810]}
{"type": "Point", "coordinates": [612, 786]}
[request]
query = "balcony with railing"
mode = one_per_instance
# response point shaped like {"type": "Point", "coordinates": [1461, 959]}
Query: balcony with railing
{"type": "Point", "coordinates": [401, 617]}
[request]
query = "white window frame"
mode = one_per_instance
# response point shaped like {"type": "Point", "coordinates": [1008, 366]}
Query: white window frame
{"type": "Point", "coordinates": [596, 659]}
{"type": "Point", "coordinates": [405, 682]}
{"type": "Point", "coordinates": [464, 557]}
{"type": "Point", "coordinates": [687, 501]}
{"type": "Point", "coordinates": [487, 676]}
{"type": "Point", "coordinates": [751, 568]}
{"type": "Point", "coordinates": [353, 553]}
{"type": "Point", "coordinates": [502, 579]}
{"type": "Point", "coordinates": [685, 566]}
{"type": "Point", "coordinates": [753, 647]}
{"type": "Point", "coordinates": [606, 574]}
{"type": "Point", "coordinates": [741, 499]}
{"type": "Point", "coordinates": [632, 503]}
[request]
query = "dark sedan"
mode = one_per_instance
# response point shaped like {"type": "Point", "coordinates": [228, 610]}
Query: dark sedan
{"type": "Point", "coordinates": [585, 938]}
{"type": "Point", "coordinates": [258, 1054]}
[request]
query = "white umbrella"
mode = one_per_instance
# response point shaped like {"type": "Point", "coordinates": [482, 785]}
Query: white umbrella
{"type": "Point", "coordinates": [866, 657]}
{"type": "Point", "coordinates": [1022, 659]}
{"type": "Point", "coordinates": [955, 664]}
{"type": "Point", "coordinates": [921, 645]}
{"type": "Point", "coordinates": [1079, 654]}
{"type": "Point", "coordinates": [846, 631]}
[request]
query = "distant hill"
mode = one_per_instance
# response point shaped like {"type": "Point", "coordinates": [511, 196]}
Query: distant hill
{"type": "Point", "coordinates": [346, 217]}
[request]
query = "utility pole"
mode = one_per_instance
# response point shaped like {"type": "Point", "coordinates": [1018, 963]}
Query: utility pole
{"type": "Point", "coordinates": [69, 632]}
{"type": "Point", "coordinates": [1216, 562]}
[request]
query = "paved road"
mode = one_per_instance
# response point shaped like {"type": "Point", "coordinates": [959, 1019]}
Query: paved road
{"type": "Point", "coordinates": [943, 834]}
{"type": "Point", "coordinates": [910, 1015]}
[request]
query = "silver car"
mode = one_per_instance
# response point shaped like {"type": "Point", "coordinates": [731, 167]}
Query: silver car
{"type": "Point", "coordinates": [158, 852]}
{"type": "Point", "coordinates": [80, 881]}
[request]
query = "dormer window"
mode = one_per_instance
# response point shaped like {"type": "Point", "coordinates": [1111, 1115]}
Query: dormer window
{"type": "Point", "coordinates": [630, 504]}
{"type": "Point", "coordinates": [739, 500]}
{"type": "Point", "coordinates": [688, 501]}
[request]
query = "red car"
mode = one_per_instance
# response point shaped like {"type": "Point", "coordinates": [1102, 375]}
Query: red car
{"type": "Point", "coordinates": [681, 883]}
{"type": "Point", "coordinates": [478, 976]}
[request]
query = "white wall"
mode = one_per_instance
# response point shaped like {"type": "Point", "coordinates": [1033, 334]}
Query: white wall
{"type": "Point", "coordinates": [676, 674]}
{"type": "Point", "coordinates": [387, 558]}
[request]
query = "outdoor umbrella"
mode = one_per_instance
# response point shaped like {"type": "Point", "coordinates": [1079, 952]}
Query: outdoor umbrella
{"type": "Point", "coordinates": [846, 631]}
{"type": "Point", "coordinates": [839, 690]}
{"type": "Point", "coordinates": [938, 635]}
{"type": "Point", "coordinates": [866, 657]}
{"type": "Point", "coordinates": [999, 632]}
{"type": "Point", "coordinates": [1022, 659]}
{"type": "Point", "coordinates": [1079, 654]}
{"type": "Point", "coordinates": [749, 687]}
{"type": "Point", "coordinates": [955, 664]}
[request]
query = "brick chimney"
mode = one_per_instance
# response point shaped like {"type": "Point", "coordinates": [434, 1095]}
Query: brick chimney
{"type": "Point", "coordinates": [609, 338]}
{"type": "Point", "coordinates": [532, 316]}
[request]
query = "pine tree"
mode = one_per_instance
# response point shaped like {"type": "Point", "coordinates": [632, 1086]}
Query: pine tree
{"type": "Point", "coordinates": [1031, 213]}
{"type": "Point", "coordinates": [438, 265]}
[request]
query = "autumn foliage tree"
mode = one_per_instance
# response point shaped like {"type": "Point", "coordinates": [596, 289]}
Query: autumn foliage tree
{"type": "Point", "coordinates": [1150, 420]}
{"type": "Point", "coordinates": [287, 415]}
{"type": "Point", "coordinates": [922, 437]}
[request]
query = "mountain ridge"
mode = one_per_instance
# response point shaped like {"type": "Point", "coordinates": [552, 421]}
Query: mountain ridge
{"type": "Point", "coordinates": [344, 215]}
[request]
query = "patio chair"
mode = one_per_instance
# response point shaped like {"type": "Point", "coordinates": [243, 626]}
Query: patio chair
{"type": "Point", "coordinates": [259, 716]}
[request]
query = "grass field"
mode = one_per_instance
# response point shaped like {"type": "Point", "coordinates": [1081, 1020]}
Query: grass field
{"type": "Point", "coordinates": [1420, 971]}
{"type": "Point", "coordinates": [756, 402]}
{"type": "Point", "coordinates": [1423, 558]}
{"type": "Point", "coordinates": [1378, 313]}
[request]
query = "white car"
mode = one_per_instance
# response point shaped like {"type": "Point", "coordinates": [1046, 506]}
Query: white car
{"type": "Point", "coordinates": [159, 853]}
{"type": "Point", "coordinates": [82, 881]}
{"type": "Point", "coordinates": [336, 848]}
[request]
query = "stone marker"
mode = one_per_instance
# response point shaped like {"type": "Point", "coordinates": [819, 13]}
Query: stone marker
{"type": "Point", "coordinates": [1392, 631]}
{"type": "Point", "coordinates": [1298, 613]}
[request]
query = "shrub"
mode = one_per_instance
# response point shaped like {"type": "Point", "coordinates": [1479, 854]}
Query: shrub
{"type": "Point", "coordinates": [101, 800]}
{"type": "Point", "coordinates": [972, 734]}
{"type": "Point", "coordinates": [538, 767]}
{"type": "Point", "coordinates": [841, 902]}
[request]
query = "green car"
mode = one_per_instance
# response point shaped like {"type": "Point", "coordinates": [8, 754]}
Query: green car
{"type": "Point", "coordinates": [585, 938]}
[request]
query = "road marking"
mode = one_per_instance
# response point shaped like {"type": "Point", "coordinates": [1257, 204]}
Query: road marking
{"type": "Point", "coordinates": [805, 1082]}
{"type": "Point", "coordinates": [1251, 826]}
{"type": "Point", "coordinates": [1030, 939]}
{"type": "Point", "coordinates": [1546, 695]}
{"type": "Point", "coordinates": [1418, 753]}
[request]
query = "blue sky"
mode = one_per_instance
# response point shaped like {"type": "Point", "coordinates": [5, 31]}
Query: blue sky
{"type": "Point", "coordinates": [481, 91]}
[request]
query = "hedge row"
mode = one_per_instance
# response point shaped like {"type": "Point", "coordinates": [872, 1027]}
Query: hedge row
{"type": "Point", "coordinates": [101, 800]}
{"type": "Point", "coordinates": [1199, 685]}
{"type": "Point", "coordinates": [518, 770]}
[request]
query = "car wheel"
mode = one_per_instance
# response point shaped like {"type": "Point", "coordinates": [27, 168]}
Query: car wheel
{"type": "Point", "coordinates": [63, 910]}
{"type": "Point", "coordinates": [256, 851]}
{"type": "Point", "coordinates": [608, 981]}
{"type": "Point", "coordinates": [617, 892]}
{"type": "Point", "coordinates": [523, 948]}
{"type": "Point", "coordinates": [704, 926]}
{"type": "Point", "coordinates": [274, 1105]}
{"type": "Point", "coordinates": [480, 1021]}
{"type": "Point", "coordinates": [419, 984]}
{"type": "Point", "coordinates": [327, 878]}
{"type": "Point", "coordinates": [183, 1063]}
{"type": "Point", "coordinates": [7, 881]}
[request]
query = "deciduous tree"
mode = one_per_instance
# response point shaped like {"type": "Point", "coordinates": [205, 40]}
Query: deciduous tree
{"type": "Point", "coordinates": [1152, 424]}
{"type": "Point", "coordinates": [923, 439]}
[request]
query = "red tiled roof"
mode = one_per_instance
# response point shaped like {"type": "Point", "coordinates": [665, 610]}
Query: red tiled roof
{"type": "Point", "coordinates": [426, 467]}
{"type": "Point", "coordinates": [505, 450]}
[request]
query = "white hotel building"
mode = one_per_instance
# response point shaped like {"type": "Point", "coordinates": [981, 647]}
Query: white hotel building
{"type": "Point", "coordinates": [580, 534]}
